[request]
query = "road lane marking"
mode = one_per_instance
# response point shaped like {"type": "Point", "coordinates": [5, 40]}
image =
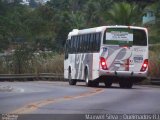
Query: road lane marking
{"type": "Point", "coordinates": [36, 105]}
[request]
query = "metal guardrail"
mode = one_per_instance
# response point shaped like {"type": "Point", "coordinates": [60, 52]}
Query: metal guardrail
{"type": "Point", "coordinates": [22, 77]}
{"type": "Point", "coordinates": [150, 45]}
{"type": "Point", "coordinates": [48, 76]}
{"type": "Point", "coordinates": [155, 81]}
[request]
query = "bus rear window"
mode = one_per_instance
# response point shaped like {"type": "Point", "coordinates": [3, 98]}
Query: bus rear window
{"type": "Point", "coordinates": [139, 38]}
{"type": "Point", "coordinates": [123, 36]}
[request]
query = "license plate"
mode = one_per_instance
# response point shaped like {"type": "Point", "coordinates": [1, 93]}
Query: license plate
{"type": "Point", "coordinates": [138, 59]}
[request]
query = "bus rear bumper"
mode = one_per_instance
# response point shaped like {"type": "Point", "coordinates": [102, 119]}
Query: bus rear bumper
{"type": "Point", "coordinates": [137, 76]}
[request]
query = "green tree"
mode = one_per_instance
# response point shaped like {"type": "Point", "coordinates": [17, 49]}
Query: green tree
{"type": "Point", "coordinates": [124, 14]}
{"type": "Point", "coordinates": [65, 18]}
{"type": "Point", "coordinates": [78, 20]}
{"type": "Point", "coordinates": [40, 25]}
{"type": "Point", "coordinates": [92, 13]}
{"type": "Point", "coordinates": [3, 26]}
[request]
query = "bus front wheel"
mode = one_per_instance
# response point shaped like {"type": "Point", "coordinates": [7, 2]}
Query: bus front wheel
{"type": "Point", "coordinates": [71, 81]}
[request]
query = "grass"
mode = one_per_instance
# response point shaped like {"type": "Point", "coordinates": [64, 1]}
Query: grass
{"type": "Point", "coordinates": [154, 62]}
{"type": "Point", "coordinates": [48, 64]}
{"type": "Point", "coordinates": [37, 63]}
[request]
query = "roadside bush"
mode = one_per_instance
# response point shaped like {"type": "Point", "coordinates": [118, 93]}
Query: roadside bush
{"type": "Point", "coordinates": [154, 61]}
{"type": "Point", "coordinates": [23, 60]}
{"type": "Point", "coordinates": [48, 63]}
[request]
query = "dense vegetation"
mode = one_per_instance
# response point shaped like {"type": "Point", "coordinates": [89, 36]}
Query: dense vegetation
{"type": "Point", "coordinates": [46, 26]}
{"type": "Point", "coordinates": [34, 28]}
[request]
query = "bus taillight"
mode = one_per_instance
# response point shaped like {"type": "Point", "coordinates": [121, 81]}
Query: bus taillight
{"type": "Point", "coordinates": [144, 66]}
{"type": "Point", "coordinates": [103, 63]}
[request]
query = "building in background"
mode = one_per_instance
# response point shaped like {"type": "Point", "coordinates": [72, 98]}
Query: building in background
{"type": "Point", "coordinates": [151, 14]}
{"type": "Point", "coordinates": [28, 2]}
{"type": "Point", "coordinates": [41, 1]}
{"type": "Point", "coordinates": [25, 2]}
{"type": "Point", "coordinates": [149, 17]}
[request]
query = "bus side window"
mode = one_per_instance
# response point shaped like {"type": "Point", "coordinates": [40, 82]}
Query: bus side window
{"type": "Point", "coordinates": [76, 49]}
{"type": "Point", "coordinates": [85, 43]}
{"type": "Point", "coordinates": [91, 42]}
{"type": "Point", "coordinates": [77, 39]}
{"type": "Point", "coordinates": [94, 42]}
{"type": "Point", "coordinates": [74, 44]}
{"type": "Point", "coordinates": [72, 41]}
{"type": "Point", "coordinates": [69, 46]}
{"type": "Point", "coordinates": [66, 50]}
{"type": "Point", "coordinates": [80, 44]}
{"type": "Point", "coordinates": [98, 39]}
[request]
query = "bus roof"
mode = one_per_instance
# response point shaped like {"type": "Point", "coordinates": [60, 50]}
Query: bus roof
{"type": "Point", "coordinates": [100, 29]}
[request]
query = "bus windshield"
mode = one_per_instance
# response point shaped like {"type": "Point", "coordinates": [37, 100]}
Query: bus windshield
{"type": "Point", "coordinates": [125, 37]}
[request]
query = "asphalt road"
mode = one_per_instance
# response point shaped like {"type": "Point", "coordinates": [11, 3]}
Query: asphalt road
{"type": "Point", "coordinates": [46, 97]}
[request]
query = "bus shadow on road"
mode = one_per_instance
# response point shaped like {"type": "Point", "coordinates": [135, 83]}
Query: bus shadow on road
{"type": "Point", "coordinates": [115, 86]}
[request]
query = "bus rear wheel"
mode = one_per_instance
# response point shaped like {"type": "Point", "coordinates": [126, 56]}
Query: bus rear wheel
{"type": "Point", "coordinates": [95, 83]}
{"type": "Point", "coordinates": [88, 82]}
{"type": "Point", "coordinates": [129, 84]}
{"type": "Point", "coordinates": [126, 84]}
{"type": "Point", "coordinates": [108, 84]}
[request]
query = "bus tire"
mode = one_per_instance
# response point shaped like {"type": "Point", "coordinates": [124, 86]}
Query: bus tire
{"type": "Point", "coordinates": [88, 82]}
{"type": "Point", "coordinates": [108, 83]}
{"type": "Point", "coordinates": [71, 81]}
{"type": "Point", "coordinates": [95, 84]}
{"type": "Point", "coordinates": [129, 84]}
{"type": "Point", "coordinates": [126, 84]}
{"type": "Point", "coordinates": [122, 84]}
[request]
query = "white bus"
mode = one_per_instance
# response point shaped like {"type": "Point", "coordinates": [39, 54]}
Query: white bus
{"type": "Point", "coordinates": [107, 54]}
